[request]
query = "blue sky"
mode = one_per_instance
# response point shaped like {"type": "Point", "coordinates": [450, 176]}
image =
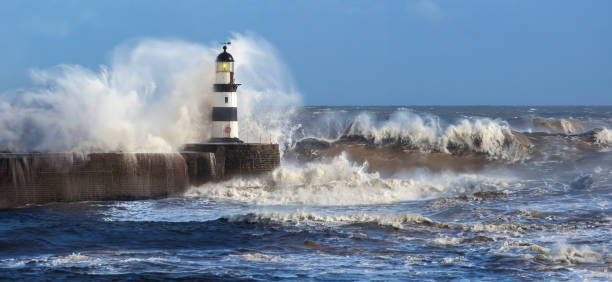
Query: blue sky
{"type": "Point", "coordinates": [421, 52]}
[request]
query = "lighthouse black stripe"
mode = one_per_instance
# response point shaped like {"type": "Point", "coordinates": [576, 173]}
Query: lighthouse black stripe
{"type": "Point", "coordinates": [226, 87]}
{"type": "Point", "coordinates": [225, 114]}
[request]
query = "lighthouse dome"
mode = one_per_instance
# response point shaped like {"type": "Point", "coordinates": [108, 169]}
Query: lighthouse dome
{"type": "Point", "coordinates": [225, 56]}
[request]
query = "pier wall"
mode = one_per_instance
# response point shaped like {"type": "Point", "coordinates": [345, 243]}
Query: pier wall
{"type": "Point", "coordinates": [42, 178]}
{"type": "Point", "coordinates": [38, 178]}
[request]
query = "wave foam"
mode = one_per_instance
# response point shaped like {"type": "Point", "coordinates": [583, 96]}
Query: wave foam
{"type": "Point", "coordinates": [258, 257]}
{"type": "Point", "coordinates": [396, 221]}
{"type": "Point", "coordinates": [73, 260]}
{"type": "Point", "coordinates": [567, 254]}
{"type": "Point", "coordinates": [448, 241]}
{"type": "Point", "coordinates": [604, 137]}
{"type": "Point", "coordinates": [516, 228]}
{"type": "Point", "coordinates": [340, 181]}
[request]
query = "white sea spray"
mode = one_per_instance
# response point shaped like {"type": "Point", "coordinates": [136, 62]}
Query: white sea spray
{"type": "Point", "coordinates": [604, 137]}
{"type": "Point", "coordinates": [154, 96]}
{"type": "Point", "coordinates": [340, 181]}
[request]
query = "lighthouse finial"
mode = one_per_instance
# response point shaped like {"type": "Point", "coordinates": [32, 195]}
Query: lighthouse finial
{"type": "Point", "coordinates": [225, 45]}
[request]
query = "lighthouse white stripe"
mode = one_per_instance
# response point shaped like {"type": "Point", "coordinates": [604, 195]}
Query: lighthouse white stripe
{"type": "Point", "coordinates": [219, 129]}
{"type": "Point", "coordinates": [222, 78]}
{"type": "Point", "coordinates": [219, 99]}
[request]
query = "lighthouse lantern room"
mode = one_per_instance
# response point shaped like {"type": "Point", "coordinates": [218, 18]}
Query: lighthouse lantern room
{"type": "Point", "coordinates": [225, 104]}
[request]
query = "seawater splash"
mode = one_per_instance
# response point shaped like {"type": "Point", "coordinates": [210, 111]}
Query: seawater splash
{"type": "Point", "coordinates": [268, 97]}
{"type": "Point", "coordinates": [153, 97]}
{"type": "Point", "coordinates": [339, 181]}
{"type": "Point", "coordinates": [604, 137]}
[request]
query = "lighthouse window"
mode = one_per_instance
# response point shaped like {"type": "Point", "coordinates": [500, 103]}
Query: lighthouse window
{"type": "Point", "coordinates": [225, 66]}
{"type": "Point", "coordinates": [226, 100]}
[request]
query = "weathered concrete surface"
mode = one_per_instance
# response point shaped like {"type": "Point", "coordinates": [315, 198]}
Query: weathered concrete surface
{"type": "Point", "coordinates": [220, 161]}
{"type": "Point", "coordinates": [43, 178]}
{"type": "Point", "coordinates": [201, 167]}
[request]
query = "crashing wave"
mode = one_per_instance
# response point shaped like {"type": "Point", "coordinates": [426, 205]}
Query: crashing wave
{"type": "Point", "coordinates": [604, 137]}
{"type": "Point", "coordinates": [340, 181]}
{"type": "Point", "coordinates": [407, 131]}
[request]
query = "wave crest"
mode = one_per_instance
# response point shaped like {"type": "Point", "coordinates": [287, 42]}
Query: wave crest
{"type": "Point", "coordinates": [396, 221]}
{"type": "Point", "coordinates": [563, 125]}
{"type": "Point", "coordinates": [410, 131]}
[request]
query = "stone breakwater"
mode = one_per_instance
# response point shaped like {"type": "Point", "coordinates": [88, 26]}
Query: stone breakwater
{"type": "Point", "coordinates": [38, 178]}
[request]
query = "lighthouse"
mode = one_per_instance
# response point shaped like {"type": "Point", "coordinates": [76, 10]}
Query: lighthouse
{"type": "Point", "coordinates": [225, 155]}
{"type": "Point", "coordinates": [225, 103]}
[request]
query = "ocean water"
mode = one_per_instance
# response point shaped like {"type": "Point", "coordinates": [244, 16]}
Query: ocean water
{"type": "Point", "coordinates": [364, 193]}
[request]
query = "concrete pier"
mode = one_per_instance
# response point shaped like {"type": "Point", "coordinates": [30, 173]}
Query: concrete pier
{"type": "Point", "coordinates": [38, 178]}
{"type": "Point", "coordinates": [219, 161]}
{"type": "Point", "coordinates": [43, 178]}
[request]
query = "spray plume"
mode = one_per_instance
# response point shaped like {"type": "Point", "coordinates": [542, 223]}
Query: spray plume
{"type": "Point", "coordinates": [153, 97]}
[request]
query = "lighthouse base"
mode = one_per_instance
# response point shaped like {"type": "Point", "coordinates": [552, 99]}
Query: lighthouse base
{"type": "Point", "coordinates": [220, 161]}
